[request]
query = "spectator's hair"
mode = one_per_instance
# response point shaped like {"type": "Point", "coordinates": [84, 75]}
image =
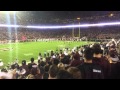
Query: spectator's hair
{"type": "Point", "coordinates": [29, 66]}
{"type": "Point", "coordinates": [61, 66]}
{"type": "Point", "coordinates": [55, 61]}
{"type": "Point", "coordinates": [88, 53]}
{"type": "Point", "coordinates": [39, 54]}
{"type": "Point", "coordinates": [42, 70]}
{"type": "Point", "coordinates": [75, 72]}
{"type": "Point", "coordinates": [4, 70]}
{"type": "Point", "coordinates": [76, 56]}
{"type": "Point", "coordinates": [45, 76]}
{"type": "Point", "coordinates": [32, 60]}
{"type": "Point", "coordinates": [96, 46]}
{"type": "Point", "coordinates": [63, 74]}
{"type": "Point", "coordinates": [50, 63]}
{"type": "Point", "coordinates": [65, 60]}
{"type": "Point", "coordinates": [46, 68]}
{"type": "Point", "coordinates": [53, 71]}
{"type": "Point", "coordinates": [38, 61]}
{"type": "Point", "coordinates": [30, 76]}
{"type": "Point", "coordinates": [34, 71]}
{"type": "Point", "coordinates": [106, 51]}
{"type": "Point", "coordinates": [52, 53]}
{"type": "Point", "coordinates": [17, 66]}
{"type": "Point", "coordinates": [48, 54]}
{"type": "Point", "coordinates": [98, 51]}
{"type": "Point", "coordinates": [23, 62]}
{"type": "Point", "coordinates": [13, 66]}
{"type": "Point", "coordinates": [45, 55]}
{"type": "Point", "coordinates": [113, 53]}
{"type": "Point", "coordinates": [42, 63]}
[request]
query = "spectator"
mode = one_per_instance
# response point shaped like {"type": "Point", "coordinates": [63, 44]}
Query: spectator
{"type": "Point", "coordinates": [99, 59]}
{"type": "Point", "coordinates": [30, 76]}
{"type": "Point", "coordinates": [55, 61]}
{"type": "Point", "coordinates": [63, 74]}
{"type": "Point", "coordinates": [32, 61]}
{"type": "Point", "coordinates": [75, 72]}
{"type": "Point", "coordinates": [88, 69]}
{"type": "Point", "coordinates": [61, 66]}
{"type": "Point", "coordinates": [46, 75]}
{"type": "Point", "coordinates": [24, 66]}
{"type": "Point", "coordinates": [76, 60]}
{"type": "Point", "coordinates": [53, 72]}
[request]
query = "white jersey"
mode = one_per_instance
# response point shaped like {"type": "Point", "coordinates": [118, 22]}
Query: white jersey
{"type": "Point", "coordinates": [4, 75]}
{"type": "Point", "coordinates": [1, 63]}
{"type": "Point", "coordinates": [80, 53]}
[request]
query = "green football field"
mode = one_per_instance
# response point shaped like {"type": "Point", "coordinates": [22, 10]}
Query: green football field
{"type": "Point", "coordinates": [26, 50]}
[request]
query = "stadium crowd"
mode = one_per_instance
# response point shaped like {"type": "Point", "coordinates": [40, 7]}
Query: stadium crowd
{"type": "Point", "coordinates": [90, 33]}
{"type": "Point", "coordinates": [94, 61]}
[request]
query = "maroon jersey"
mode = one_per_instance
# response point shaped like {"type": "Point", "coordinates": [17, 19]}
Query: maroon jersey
{"type": "Point", "coordinates": [75, 63]}
{"type": "Point", "coordinates": [105, 65]}
{"type": "Point", "coordinates": [91, 71]}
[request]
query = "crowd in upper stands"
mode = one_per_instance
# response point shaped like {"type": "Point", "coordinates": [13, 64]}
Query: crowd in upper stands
{"type": "Point", "coordinates": [90, 33]}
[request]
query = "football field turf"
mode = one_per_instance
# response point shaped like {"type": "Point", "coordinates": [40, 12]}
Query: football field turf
{"type": "Point", "coordinates": [26, 50]}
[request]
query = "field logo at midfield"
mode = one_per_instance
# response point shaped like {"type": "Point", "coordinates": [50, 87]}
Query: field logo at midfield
{"type": "Point", "coordinates": [28, 54]}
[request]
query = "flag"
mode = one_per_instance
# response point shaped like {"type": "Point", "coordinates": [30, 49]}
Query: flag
{"type": "Point", "coordinates": [24, 38]}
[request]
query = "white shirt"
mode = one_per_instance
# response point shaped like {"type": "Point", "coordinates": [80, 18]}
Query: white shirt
{"type": "Point", "coordinates": [1, 64]}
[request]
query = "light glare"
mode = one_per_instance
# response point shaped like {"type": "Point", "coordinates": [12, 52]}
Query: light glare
{"type": "Point", "coordinates": [66, 26]}
{"type": "Point", "coordinates": [10, 12]}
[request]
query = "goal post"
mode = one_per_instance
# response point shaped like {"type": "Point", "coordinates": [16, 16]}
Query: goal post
{"type": "Point", "coordinates": [73, 33]}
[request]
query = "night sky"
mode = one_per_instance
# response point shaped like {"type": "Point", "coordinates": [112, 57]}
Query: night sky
{"type": "Point", "coordinates": [44, 17]}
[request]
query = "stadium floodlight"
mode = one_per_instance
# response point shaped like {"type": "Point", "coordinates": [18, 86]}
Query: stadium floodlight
{"type": "Point", "coordinates": [65, 26]}
{"type": "Point", "coordinates": [111, 14]}
{"type": "Point", "coordinates": [78, 18]}
{"type": "Point", "coordinates": [75, 26]}
{"type": "Point", "coordinates": [4, 25]}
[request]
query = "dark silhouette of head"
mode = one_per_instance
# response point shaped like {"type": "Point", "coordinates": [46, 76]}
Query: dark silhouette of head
{"type": "Point", "coordinates": [32, 60]}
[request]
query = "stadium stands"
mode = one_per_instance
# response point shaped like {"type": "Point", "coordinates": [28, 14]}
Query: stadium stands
{"type": "Point", "coordinates": [98, 61]}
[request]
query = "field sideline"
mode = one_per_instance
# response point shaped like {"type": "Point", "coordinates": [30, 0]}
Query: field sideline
{"type": "Point", "coordinates": [26, 50]}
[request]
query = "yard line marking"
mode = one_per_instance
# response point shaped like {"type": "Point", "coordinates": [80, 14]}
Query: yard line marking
{"type": "Point", "coordinates": [28, 54]}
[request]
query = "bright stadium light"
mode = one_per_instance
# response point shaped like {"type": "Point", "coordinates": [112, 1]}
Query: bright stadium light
{"type": "Point", "coordinates": [75, 26]}
{"type": "Point", "coordinates": [4, 25]}
{"type": "Point", "coordinates": [78, 18]}
{"type": "Point", "coordinates": [111, 14]}
{"type": "Point", "coordinates": [65, 26]}
{"type": "Point", "coordinates": [10, 12]}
